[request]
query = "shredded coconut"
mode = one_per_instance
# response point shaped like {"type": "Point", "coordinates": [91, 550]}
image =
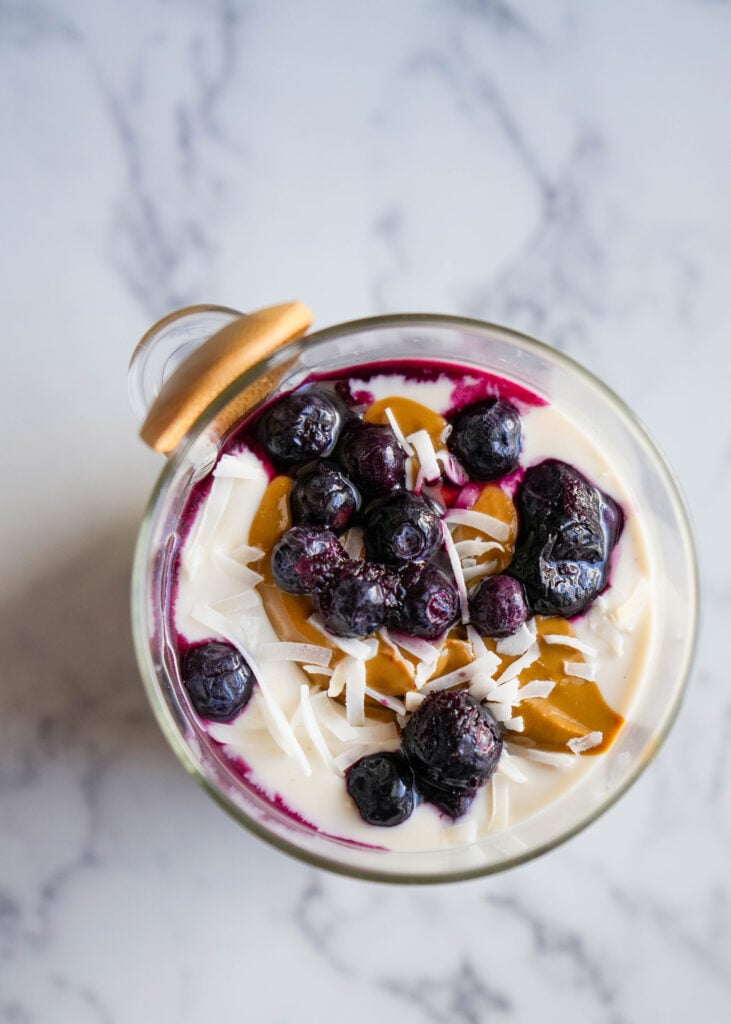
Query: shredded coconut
{"type": "Point", "coordinates": [581, 743]}
{"type": "Point", "coordinates": [570, 641]}
{"type": "Point", "coordinates": [585, 670]}
{"type": "Point", "coordinates": [479, 521]}
{"type": "Point", "coordinates": [400, 436]}
{"type": "Point", "coordinates": [429, 471]}
{"type": "Point", "coordinates": [459, 577]}
{"type": "Point", "coordinates": [361, 650]}
{"type": "Point", "coordinates": [516, 667]}
{"type": "Point", "coordinates": [313, 730]}
{"type": "Point", "coordinates": [516, 644]}
{"type": "Point", "coordinates": [355, 687]}
{"type": "Point", "coordinates": [281, 650]}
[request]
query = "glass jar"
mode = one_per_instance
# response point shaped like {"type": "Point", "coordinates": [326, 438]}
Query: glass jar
{"type": "Point", "coordinates": [506, 353]}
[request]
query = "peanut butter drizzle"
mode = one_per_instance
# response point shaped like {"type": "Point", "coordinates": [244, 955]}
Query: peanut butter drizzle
{"type": "Point", "coordinates": [410, 416]}
{"type": "Point", "coordinates": [574, 707]}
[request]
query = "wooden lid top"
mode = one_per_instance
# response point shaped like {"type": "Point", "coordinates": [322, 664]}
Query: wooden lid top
{"type": "Point", "coordinates": [208, 371]}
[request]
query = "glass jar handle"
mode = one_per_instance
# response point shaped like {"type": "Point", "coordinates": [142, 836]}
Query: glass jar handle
{"type": "Point", "coordinates": [166, 345]}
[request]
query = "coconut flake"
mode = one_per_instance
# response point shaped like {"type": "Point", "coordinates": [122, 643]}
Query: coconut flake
{"type": "Point", "coordinates": [535, 688]}
{"type": "Point", "coordinates": [233, 568]}
{"type": "Point", "coordinates": [245, 553]}
{"type": "Point", "coordinates": [237, 603]}
{"type": "Point", "coordinates": [472, 548]}
{"type": "Point", "coordinates": [386, 700]}
{"type": "Point", "coordinates": [410, 474]}
{"type": "Point", "coordinates": [547, 757]}
{"type": "Point", "coordinates": [452, 469]}
{"type": "Point", "coordinates": [344, 761]}
{"type": "Point", "coordinates": [413, 699]}
{"type": "Point", "coordinates": [361, 650]}
{"type": "Point", "coordinates": [353, 542]}
{"type": "Point", "coordinates": [459, 578]}
{"type": "Point", "coordinates": [281, 650]}
{"type": "Point", "coordinates": [207, 523]}
{"type": "Point", "coordinates": [499, 804]}
{"type": "Point", "coordinates": [400, 437]}
{"type": "Point", "coordinates": [581, 669]}
{"type": "Point", "coordinates": [429, 471]}
{"type": "Point", "coordinates": [332, 716]}
{"type": "Point", "coordinates": [313, 730]}
{"type": "Point", "coordinates": [508, 766]}
{"type": "Point", "coordinates": [355, 687]}
{"type": "Point", "coordinates": [516, 644]}
{"type": "Point", "coordinates": [505, 694]}
{"type": "Point", "coordinates": [318, 670]}
{"type": "Point", "coordinates": [340, 674]}
{"type": "Point", "coordinates": [401, 660]}
{"type": "Point", "coordinates": [487, 664]}
{"type": "Point", "coordinates": [476, 572]}
{"type": "Point", "coordinates": [479, 647]}
{"type": "Point", "coordinates": [514, 724]}
{"type": "Point", "coordinates": [516, 667]}
{"type": "Point", "coordinates": [238, 467]}
{"type": "Point", "coordinates": [570, 641]}
{"type": "Point", "coordinates": [479, 521]}
{"type": "Point", "coordinates": [581, 743]}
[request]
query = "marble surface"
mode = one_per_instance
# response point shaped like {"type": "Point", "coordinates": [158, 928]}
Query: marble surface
{"type": "Point", "coordinates": [560, 166]}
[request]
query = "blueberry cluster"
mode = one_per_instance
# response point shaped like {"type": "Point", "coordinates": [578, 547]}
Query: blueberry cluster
{"type": "Point", "coordinates": [449, 749]}
{"type": "Point", "coordinates": [568, 528]}
{"type": "Point", "coordinates": [358, 478]}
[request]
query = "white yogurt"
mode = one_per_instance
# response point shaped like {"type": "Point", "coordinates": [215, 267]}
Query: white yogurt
{"type": "Point", "coordinates": [296, 748]}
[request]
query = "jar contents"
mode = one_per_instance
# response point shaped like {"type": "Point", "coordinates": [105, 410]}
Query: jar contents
{"type": "Point", "coordinates": [412, 604]}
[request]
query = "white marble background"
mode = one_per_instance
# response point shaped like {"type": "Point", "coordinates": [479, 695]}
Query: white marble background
{"type": "Point", "coordinates": [560, 165]}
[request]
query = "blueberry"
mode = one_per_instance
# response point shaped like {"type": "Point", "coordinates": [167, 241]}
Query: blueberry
{"type": "Point", "coordinates": [322, 496]}
{"type": "Point", "coordinates": [402, 528]}
{"type": "Point", "coordinates": [382, 786]}
{"type": "Point", "coordinates": [453, 744]}
{"type": "Point", "coordinates": [568, 528]}
{"type": "Point", "coordinates": [428, 602]}
{"type": "Point", "coordinates": [486, 438]}
{"type": "Point", "coordinates": [301, 426]}
{"type": "Point", "coordinates": [305, 559]}
{"type": "Point", "coordinates": [218, 679]}
{"type": "Point", "coordinates": [354, 602]}
{"type": "Point", "coordinates": [497, 606]}
{"type": "Point", "coordinates": [370, 455]}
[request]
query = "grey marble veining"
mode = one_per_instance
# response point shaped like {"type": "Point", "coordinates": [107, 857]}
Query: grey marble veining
{"type": "Point", "coordinates": [561, 167]}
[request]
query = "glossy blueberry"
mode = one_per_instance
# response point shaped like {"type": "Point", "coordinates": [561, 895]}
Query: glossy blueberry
{"type": "Point", "coordinates": [428, 602]}
{"type": "Point", "coordinates": [402, 528]}
{"type": "Point", "coordinates": [322, 496]}
{"type": "Point", "coordinates": [486, 438]}
{"type": "Point", "coordinates": [305, 559]}
{"type": "Point", "coordinates": [382, 786]}
{"type": "Point", "coordinates": [498, 607]}
{"type": "Point", "coordinates": [301, 426]}
{"type": "Point", "coordinates": [453, 744]}
{"type": "Point", "coordinates": [372, 458]}
{"type": "Point", "coordinates": [568, 528]}
{"type": "Point", "coordinates": [218, 679]}
{"type": "Point", "coordinates": [354, 602]}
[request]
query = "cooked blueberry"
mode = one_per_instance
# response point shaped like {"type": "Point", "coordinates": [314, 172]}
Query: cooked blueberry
{"type": "Point", "coordinates": [568, 528]}
{"type": "Point", "coordinates": [354, 602]}
{"type": "Point", "coordinates": [497, 606]}
{"type": "Point", "coordinates": [453, 744]}
{"type": "Point", "coordinates": [370, 455]}
{"type": "Point", "coordinates": [218, 679]}
{"type": "Point", "coordinates": [322, 496]}
{"type": "Point", "coordinates": [301, 426]}
{"type": "Point", "coordinates": [306, 558]}
{"type": "Point", "coordinates": [402, 528]}
{"type": "Point", "coordinates": [382, 786]}
{"type": "Point", "coordinates": [486, 438]}
{"type": "Point", "coordinates": [429, 602]}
